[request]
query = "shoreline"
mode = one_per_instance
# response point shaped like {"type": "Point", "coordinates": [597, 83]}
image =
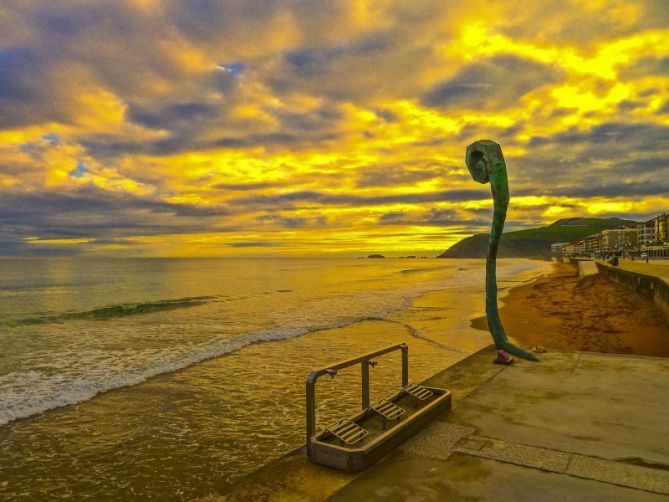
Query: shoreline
{"type": "Point", "coordinates": [287, 474]}
{"type": "Point", "coordinates": [436, 325]}
{"type": "Point", "coordinates": [590, 314]}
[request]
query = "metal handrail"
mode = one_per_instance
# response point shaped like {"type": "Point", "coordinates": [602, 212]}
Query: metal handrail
{"type": "Point", "coordinates": [365, 361]}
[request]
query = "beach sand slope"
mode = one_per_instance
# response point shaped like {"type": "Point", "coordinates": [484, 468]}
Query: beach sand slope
{"type": "Point", "coordinates": [591, 313]}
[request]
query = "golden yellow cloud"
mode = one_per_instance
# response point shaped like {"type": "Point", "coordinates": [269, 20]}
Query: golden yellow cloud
{"type": "Point", "coordinates": [305, 128]}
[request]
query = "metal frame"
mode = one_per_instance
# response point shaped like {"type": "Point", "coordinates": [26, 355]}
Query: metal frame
{"type": "Point", "coordinates": [365, 361]}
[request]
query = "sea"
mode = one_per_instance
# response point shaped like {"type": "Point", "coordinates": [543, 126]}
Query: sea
{"type": "Point", "coordinates": [168, 379]}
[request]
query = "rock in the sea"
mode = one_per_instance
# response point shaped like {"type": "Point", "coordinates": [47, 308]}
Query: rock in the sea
{"type": "Point", "coordinates": [376, 256]}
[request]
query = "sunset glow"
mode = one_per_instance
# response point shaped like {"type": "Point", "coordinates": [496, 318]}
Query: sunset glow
{"type": "Point", "coordinates": [301, 128]}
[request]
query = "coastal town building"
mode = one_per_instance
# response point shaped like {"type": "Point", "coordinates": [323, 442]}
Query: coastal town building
{"type": "Point", "coordinates": [646, 239]}
{"type": "Point", "coordinates": [557, 250]}
{"type": "Point", "coordinates": [619, 239]}
{"type": "Point", "coordinates": [591, 243]}
{"type": "Point", "coordinates": [661, 233]}
{"type": "Point", "coordinates": [646, 233]}
{"type": "Point", "coordinates": [574, 248]}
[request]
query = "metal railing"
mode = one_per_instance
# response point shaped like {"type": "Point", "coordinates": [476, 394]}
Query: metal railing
{"type": "Point", "coordinates": [365, 361]}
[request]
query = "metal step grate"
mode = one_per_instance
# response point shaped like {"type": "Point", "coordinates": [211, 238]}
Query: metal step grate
{"type": "Point", "coordinates": [418, 391]}
{"type": "Point", "coordinates": [388, 409]}
{"type": "Point", "coordinates": [347, 431]}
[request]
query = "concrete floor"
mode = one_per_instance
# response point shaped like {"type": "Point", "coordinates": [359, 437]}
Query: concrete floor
{"type": "Point", "coordinates": [659, 268]}
{"type": "Point", "coordinates": [576, 426]}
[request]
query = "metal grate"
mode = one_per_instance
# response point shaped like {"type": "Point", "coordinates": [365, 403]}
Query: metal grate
{"type": "Point", "coordinates": [418, 391]}
{"type": "Point", "coordinates": [388, 409]}
{"type": "Point", "coordinates": [347, 431]}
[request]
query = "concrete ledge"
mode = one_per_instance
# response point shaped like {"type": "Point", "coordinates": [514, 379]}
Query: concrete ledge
{"type": "Point", "coordinates": [576, 426]}
{"type": "Point", "coordinates": [652, 287]}
{"type": "Point", "coordinates": [586, 267]}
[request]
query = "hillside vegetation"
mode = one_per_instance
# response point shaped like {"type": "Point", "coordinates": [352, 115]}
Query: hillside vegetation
{"type": "Point", "coordinates": [534, 242]}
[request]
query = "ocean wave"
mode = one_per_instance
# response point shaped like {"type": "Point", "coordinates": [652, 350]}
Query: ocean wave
{"type": "Point", "coordinates": [122, 310]}
{"type": "Point", "coordinates": [74, 375]}
{"type": "Point", "coordinates": [28, 393]}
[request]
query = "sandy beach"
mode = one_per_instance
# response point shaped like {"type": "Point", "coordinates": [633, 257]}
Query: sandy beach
{"type": "Point", "coordinates": [591, 313]}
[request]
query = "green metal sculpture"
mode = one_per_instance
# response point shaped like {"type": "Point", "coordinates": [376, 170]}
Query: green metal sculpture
{"type": "Point", "coordinates": [486, 163]}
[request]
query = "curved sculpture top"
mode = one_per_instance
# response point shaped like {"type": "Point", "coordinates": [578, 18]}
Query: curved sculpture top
{"type": "Point", "coordinates": [485, 162]}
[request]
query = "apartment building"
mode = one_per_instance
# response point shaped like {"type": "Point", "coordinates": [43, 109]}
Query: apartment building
{"type": "Point", "coordinates": [618, 239]}
{"type": "Point", "coordinates": [557, 250]}
{"type": "Point", "coordinates": [661, 234]}
{"type": "Point", "coordinates": [646, 232]}
{"type": "Point", "coordinates": [591, 243]}
{"type": "Point", "coordinates": [574, 248]}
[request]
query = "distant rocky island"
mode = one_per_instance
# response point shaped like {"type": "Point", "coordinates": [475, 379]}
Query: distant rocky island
{"type": "Point", "coordinates": [376, 256]}
{"type": "Point", "coordinates": [534, 242]}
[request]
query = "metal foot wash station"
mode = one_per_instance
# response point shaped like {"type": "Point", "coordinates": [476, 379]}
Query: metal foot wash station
{"type": "Point", "coordinates": [354, 443]}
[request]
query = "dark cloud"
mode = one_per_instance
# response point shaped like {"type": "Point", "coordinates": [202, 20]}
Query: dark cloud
{"type": "Point", "coordinates": [18, 66]}
{"type": "Point", "coordinates": [386, 115]}
{"type": "Point", "coordinates": [630, 159]}
{"type": "Point", "coordinates": [612, 190]}
{"type": "Point", "coordinates": [93, 213]}
{"type": "Point", "coordinates": [25, 88]}
{"type": "Point", "coordinates": [433, 218]}
{"type": "Point", "coordinates": [495, 83]}
{"type": "Point", "coordinates": [115, 242]}
{"type": "Point", "coordinates": [362, 70]}
{"type": "Point", "coordinates": [294, 222]}
{"type": "Point", "coordinates": [610, 137]}
{"type": "Point", "coordinates": [273, 139]}
{"type": "Point", "coordinates": [315, 62]}
{"type": "Point", "coordinates": [312, 197]}
{"type": "Point", "coordinates": [23, 248]}
{"type": "Point", "coordinates": [109, 146]}
{"type": "Point", "coordinates": [591, 23]}
{"type": "Point", "coordinates": [102, 45]}
{"type": "Point", "coordinates": [381, 176]}
{"type": "Point", "coordinates": [173, 115]}
{"type": "Point", "coordinates": [323, 119]}
{"type": "Point", "coordinates": [254, 244]}
{"type": "Point", "coordinates": [392, 217]}
{"type": "Point", "coordinates": [243, 187]}
{"type": "Point", "coordinates": [643, 67]}
{"type": "Point", "coordinates": [630, 104]}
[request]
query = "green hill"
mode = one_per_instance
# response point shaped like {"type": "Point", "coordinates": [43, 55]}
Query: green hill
{"type": "Point", "coordinates": [534, 242]}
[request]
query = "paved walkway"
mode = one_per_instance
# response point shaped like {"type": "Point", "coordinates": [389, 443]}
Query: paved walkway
{"type": "Point", "coordinates": [657, 268]}
{"type": "Point", "coordinates": [577, 426]}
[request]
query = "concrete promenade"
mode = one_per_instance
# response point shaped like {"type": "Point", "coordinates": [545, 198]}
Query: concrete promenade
{"type": "Point", "coordinates": [648, 279]}
{"type": "Point", "coordinates": [576, 426]}
{"type": "Point", "coordinates": [658, 268]}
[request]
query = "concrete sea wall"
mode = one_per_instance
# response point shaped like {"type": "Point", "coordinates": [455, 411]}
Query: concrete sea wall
{"type": "Point", "coordinates": [652, 287]}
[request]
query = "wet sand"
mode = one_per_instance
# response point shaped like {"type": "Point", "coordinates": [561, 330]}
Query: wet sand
{"type": "Point", "coordinates": [590, 313]}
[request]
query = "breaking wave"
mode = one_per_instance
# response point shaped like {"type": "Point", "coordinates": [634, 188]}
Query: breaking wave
{"type": "Point", "coordinates": [123, 310]}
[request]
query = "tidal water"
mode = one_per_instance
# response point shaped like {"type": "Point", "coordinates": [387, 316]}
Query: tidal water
{"type": "Point", "coordinates": [167, 379]}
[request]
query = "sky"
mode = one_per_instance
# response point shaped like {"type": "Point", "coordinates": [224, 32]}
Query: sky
{"type": "Point", "coordinates": [321, 128]}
